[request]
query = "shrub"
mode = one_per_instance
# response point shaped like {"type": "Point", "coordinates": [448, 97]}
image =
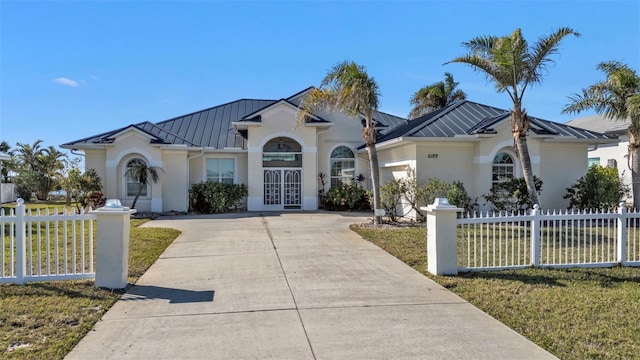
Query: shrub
{"type": "Point", "coordinates": [511, 195]}
{"type": "Point", "coordinates": [213, 197]}
{"type": "Point", "coordinates": [458, 196]}
{"type": "Point", "coordinates": [391, 194]}
{"type": "Point", "coordinates": [600, 188]}
{"type": "Point", "coordinates": [346, 197]}
{"type": "Point", "coordinates": [421, 194]}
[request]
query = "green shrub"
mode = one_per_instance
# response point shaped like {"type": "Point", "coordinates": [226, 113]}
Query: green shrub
{"type": "Point", "coordinates": [511, 195]}
{"type": "Point", "coordinates": [420, 193]}
{"type": "Point", "coordinates": [213, 197]}
{"type": "Point", "coordinates": [346, 197]}
{"type": "Point", "coordinates": [459, 197]}
{"type": "Point", "coordinates": [600, 188]}
{"type": "Point", "coordinates": [391, 194]}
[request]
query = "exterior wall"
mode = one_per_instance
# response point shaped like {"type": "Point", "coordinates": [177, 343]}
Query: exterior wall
{"type": "Point", "coordinates": [561, 166]}
{"type": "Point", "coordinates": [618, 153]}
{"type": "Point", "coordinates": [280, 121]}
{"type": "Point", "coordinates": [126, 147]}
{"type": "Point", "coordinates": [175, 189]}
{"type": "Point", "coordinates": [97, 160]}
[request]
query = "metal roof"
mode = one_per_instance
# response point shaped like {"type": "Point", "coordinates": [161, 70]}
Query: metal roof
{"type": "Point", "coordinates": [601, 123]}
{"type": "Point", "coordinates": [213, 127]}
{"type": "Point", "coordinates": [470, 118]}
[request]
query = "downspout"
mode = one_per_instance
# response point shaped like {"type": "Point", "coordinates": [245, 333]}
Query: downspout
{"type": "Point", "coordinates": [189, 171]}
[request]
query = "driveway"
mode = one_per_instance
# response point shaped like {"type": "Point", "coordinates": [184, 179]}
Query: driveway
{"type": "Point", "coordinates": [291, 286]}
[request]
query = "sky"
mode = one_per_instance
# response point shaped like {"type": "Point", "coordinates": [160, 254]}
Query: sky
{"type": "Point", "coordinates": [72, 69]}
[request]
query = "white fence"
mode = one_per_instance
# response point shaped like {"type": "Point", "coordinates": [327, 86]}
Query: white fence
{"type": "Point", "coordinates": [46, 245]}
{"type": "Point", "coordinates": [548, 239]}
{"type": "Point", "coordinates": [7, 193]}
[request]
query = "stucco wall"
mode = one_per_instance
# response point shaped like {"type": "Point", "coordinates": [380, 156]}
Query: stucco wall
{"type": "Point", "coordinates": [174, 196]}
{"type": "Point", "coordinates": [616, 151]}
{"type": "Point", "coordinates": [561, 166]}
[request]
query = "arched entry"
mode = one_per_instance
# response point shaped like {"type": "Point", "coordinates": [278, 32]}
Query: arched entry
{"type": "Point", "coordinates": [282, 174]}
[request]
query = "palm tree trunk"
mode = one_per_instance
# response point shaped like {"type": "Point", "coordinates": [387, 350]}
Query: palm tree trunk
{"type": "Point", "coordinates": [527, 172]}
{"type": "Point", "coordinates": [369, 136]}
{"type": "Point", "coordinates": [135, 199]}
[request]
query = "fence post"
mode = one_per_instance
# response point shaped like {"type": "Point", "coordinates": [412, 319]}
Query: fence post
{"type": "Point", "coordinates": [621, 237]}
{"type": "Point", "coordinates": [535, 236]}
{"type": "Point", "coordinates": [21, 235]}
{"type": "Point", "coordinates": [442, 237]}
{"type": "Point", "coordinates": [112, 245]}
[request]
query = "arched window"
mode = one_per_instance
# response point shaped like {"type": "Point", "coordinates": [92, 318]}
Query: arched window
{"type": "Point", "coordinates": [343, 166]}
{"type": "Point", "coordinates": [133, 185]}
{"type": "Point", "coordinates": [503, 168]}
{"type": "Point", "coordinates": [282, 152]}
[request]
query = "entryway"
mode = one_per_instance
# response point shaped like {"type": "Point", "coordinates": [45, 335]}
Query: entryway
{"type": "Point", "coordinates": [282, 174]}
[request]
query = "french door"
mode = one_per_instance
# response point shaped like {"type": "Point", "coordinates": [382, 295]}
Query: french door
{"type": "Point", "coordinates": [282, 188]}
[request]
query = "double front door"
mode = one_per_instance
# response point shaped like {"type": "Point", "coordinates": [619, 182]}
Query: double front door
{"type": "Point", "coordinates": [282, 188]}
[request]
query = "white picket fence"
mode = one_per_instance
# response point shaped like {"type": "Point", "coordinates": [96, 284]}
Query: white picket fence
{"type": "Point", "coordinates": [46, 245]}
{"type": "Point", "coordinates": [548, 239]}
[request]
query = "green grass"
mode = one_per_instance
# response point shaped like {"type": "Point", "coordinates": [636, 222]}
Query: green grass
{"type": "Point", "coordinates": [49, 318]}
{"type": "Point", "coordinates": [573, 313]}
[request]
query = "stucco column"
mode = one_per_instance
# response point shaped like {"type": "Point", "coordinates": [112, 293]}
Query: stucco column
{"type": "Point", "coordinates": [112, 246]}
{"type": "Point", "coordinates": [442, 239]}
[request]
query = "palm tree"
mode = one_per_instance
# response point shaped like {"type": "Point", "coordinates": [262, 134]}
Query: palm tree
{"type": "Point", "coordinates": [29, 154]}
{"type": "Point", "coordinates": [50, 164]}
{"type": "Point", "coordinates": [435, 96]}
{"type": "Point", "coordinates": [618, 98]}
{"type": "Point", "coordinates": [512, 65]}
{"type": "Point", "coordinates": [141, 173]}
{"type": "Point", "coordinates": [347, 87]}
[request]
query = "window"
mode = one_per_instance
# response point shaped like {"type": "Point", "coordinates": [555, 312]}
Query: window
{"type": "Point", "coordinates": [502, 168]}
{"type": "Point", "coordinates": [342, 166]}
{"type": "Point", "coordinates": [593, 160]}
{"type": "Point", "coordinates": [133, 185]}
{"type": "Point", "coordinates": [282, 152]}
{"type": "Point", "coordinates": [221, 170]}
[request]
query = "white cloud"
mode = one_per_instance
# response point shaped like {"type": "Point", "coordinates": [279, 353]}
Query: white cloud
{"type": "Point", "coordinates": [66, 81]}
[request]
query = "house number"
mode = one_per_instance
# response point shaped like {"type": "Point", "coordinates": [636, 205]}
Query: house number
{"type": "Point", "coordinates": [432, 156]}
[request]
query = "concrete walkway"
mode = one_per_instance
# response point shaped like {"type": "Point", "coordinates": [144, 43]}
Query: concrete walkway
{"type": "Point", "coordinates": [291, 286]}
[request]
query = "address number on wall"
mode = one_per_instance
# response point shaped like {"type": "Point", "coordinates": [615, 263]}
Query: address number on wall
{"type": "Point", "coordinates": [432, 156]}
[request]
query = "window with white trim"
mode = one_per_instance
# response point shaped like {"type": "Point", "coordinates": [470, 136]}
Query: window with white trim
{"type": "Point", "coordinates": [133, 185]}
{"type": "Point", "coordinates": [342, 165]}
{"type": "Point", "coordinates": [503, 168]}
{"type": "Point", "coordinates": [221, 170]}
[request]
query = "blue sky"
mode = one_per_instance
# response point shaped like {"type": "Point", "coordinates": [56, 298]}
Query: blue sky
{"type": "Point", "coordinates": [74, 69]}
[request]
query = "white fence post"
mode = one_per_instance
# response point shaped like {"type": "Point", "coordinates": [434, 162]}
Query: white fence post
{"type": "Point", "coordinates": [21, 235]}
{"type": "Point", "coordinates": [535, 235]}
{"type": "Point", "coordinates": [442, 237]}
{"type": "Point", "coordinates": [621, 237]}
{"type": "Point", "coordinates": [112, 246]}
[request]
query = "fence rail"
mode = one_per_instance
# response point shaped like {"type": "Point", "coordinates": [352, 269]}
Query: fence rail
{"type": "Point", "coordinates": [548, 239]}
{"type": "Point", "coordinates": [46, 245]}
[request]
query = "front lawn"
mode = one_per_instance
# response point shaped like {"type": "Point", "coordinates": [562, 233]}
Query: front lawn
{"type": "Point", "coordinates": [46, 320]}
{"type": "Point", "coordinates": [573, 313]}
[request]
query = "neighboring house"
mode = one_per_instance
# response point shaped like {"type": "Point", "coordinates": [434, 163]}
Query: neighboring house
{"type": "Point", "coordinates": [612, 154]}
{"type": "Point", "coordinates": [258, 143]}
{"type": "Point", "coordinates": [3, 197]}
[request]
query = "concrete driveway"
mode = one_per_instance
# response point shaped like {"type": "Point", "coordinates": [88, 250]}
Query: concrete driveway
{"type": "Point", "coordinates": [291, 286]}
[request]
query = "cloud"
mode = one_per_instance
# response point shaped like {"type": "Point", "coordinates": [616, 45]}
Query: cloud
{"type": "Point", "coordinates": [93, 77]}
{"type": "Point", "coordinates": [66, 81]}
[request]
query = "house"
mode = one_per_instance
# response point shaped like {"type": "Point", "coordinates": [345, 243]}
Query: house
{"type": "Point", "coordinates": [610, 154]}
{"type": "Point", "coordinates": [5, 191]}
{"type": "Point", "coordinates": [259, 143]}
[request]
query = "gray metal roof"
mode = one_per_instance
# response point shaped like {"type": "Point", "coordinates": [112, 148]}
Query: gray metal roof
{"type": "Point", "coordinates": [602, 124]}
{"type": "Point", "coordinates": [470, 118]}
{"type": "Point", "coordinates": [213, 127]}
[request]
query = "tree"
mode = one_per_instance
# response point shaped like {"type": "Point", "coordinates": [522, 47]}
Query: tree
{"type": "Point", "coordinates": [618, 98]}
{"type": "Point", "coordinates": [50, 164]}
{"type": "Point", "coordinates": [7, 166]}
{"type": "Point", "coordinates": [347, 87]}
{"type": "Point", "coordinates": [513, 66]}
{"type": "Point", "coordinates": [142, 173]}
{"type": "Point", "coordinates": [435, 96]}
{"type": "Point", "coordinates": [28, 154]}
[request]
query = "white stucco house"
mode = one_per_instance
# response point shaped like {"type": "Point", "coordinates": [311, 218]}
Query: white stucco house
{"type": "Point", "coordinates": [609, 154]}
{"type": "Point", "coordinates": [257, 142]}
